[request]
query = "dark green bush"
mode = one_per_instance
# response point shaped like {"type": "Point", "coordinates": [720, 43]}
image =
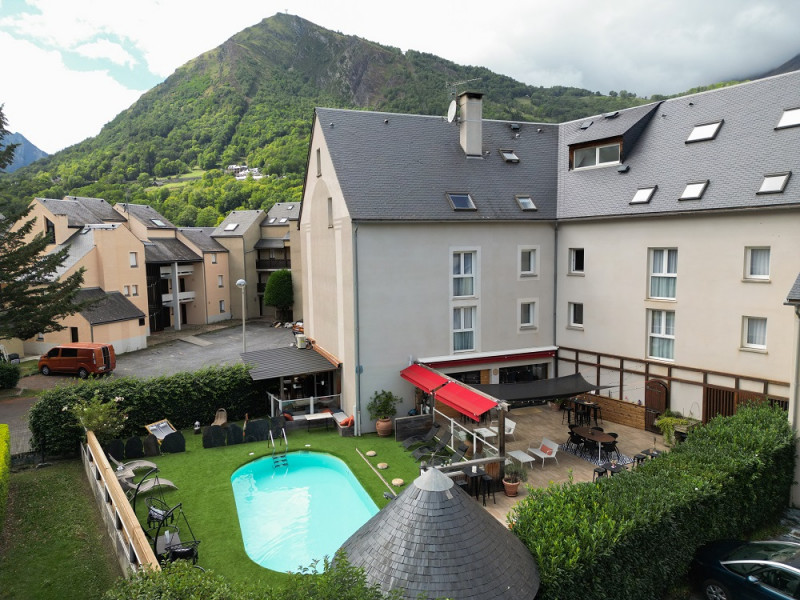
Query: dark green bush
{"type": "Point", "coordinates": [730, 477]}
{"type": "Point", "coordinates": [182, 398]}
{"type": "Point", "coordinates": [5, 470]}
{"type": "Point", "coordinates": [9, 375]}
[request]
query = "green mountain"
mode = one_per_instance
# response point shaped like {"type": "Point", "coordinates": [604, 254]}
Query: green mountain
{"type": "Point", "coordinates": [251, 101]}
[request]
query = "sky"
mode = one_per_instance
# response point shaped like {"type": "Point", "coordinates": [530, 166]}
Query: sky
{"type": "Point", "coordinates": [69, 67]}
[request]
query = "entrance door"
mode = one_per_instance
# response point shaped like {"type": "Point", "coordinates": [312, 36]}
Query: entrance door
{"type": "Point", "coordinates": [656, 402]}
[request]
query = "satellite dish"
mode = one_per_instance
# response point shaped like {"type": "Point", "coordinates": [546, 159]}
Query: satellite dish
{"type": "Point", "coordinates": [451, 111]}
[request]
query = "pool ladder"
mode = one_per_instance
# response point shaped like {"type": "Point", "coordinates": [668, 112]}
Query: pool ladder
{"type": "Point", "coordinates": [279, 460]}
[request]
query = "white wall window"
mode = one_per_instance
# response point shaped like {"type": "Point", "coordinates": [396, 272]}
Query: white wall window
{"type": "Point", "coordinates": [754, 333]}
{"type": "Point", "coordinates": [576, 314]}
{"type": "Point", "coordinates": [319, 162]}
{"type": "Point", "coordinates": [661, 337]}
{"type": "Point", "coordinates": [527, 314]}
{"type": "Point", "coordinates": [126, 290]}
{"type": "Point", "coordinates": [663, 272]}
{"type": "Point", "coordinates": [756, 263]}
{"type": "Point", "coordinates": [330, 213]}
{"type": "Point", "coordinates": [463, 272]}
{"type": "Point", "coordinates": [527, 262]}
{"type": "Point", "coordinates": [213, 258]}
{"type": "Point", "coordinates": [576, 260]}
{"type": "Point", "coordinates": [135, 290]}
{"type": "Point", "coordinates": [596, 156]}
{"type": "Point", "coordinates": [220, 281]}
{"type": "Point", "coordinates": [134, 259]}
{"type": "Point", "coordinates": [463, 328]}
{"type": "Point", "coordinates": [222, 306]}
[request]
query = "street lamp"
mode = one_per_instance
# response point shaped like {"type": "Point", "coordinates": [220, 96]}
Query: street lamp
{"type": "Point", "coordinates": [241, 284]}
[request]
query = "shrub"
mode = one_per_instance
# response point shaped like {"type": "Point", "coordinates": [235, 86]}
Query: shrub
{"type": "Point", "coordinates": [5, 470]}
{"type": "Point", "coordinates": [9, 375]}
{"type": "Point", "coordinates": [182, 398]}
{"type": "Point", "coordinates": [730, 477]}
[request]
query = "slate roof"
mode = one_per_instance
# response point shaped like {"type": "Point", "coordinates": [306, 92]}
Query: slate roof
{"type": "Point", "coordinates": [282, 210]}
{"type": "Point", "coordinates": [286, 362]}
{"type": "Point", "coordinates": [266, 243]}
{"type": "Point", "coordinates": [201, 237]}
{"type": "Point", "coordinates": [111, 307]}
{"type": "Point", "coordinates": [436, 539]}
{"type": "Point", "coordinates": [746, 148]}
{"type": "Point", "coordinates": [145, 214]}
{"type": "Point", "coordinates": [244, 218]}
{"type": "Point", "coordinates": [82, 211]}
{"type": "Point", "coordinates": [794, 293]}
{"type": "Point", "coordinates": [168, 250]}
{"type": "Point", "coordinates": [400, 167]}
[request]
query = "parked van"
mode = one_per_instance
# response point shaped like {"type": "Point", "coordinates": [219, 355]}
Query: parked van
{"type": "Point", "coordinates": [82, 358]}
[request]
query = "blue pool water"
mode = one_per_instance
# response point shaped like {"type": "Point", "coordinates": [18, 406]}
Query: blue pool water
{"type": "Point", "coordinates": [292, 515]}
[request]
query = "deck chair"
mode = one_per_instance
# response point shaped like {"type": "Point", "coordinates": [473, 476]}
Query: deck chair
{"type": "Point", "coordinates": [424, 451]}
{"type": "Point", "coordinates": [148, 483]}
{"type": "Point", "coordinates": [221, 417]}
{"type": "Point", "coordinates": [421, 439]}
{"type": "Point", "coordinates": [131, 464]}
{"type": "Point", "coordinates": [510, 427]}
{"type": "Point", "coordinates": [457, 456]}
{"type": "Point", "coordinates": [547, 449]}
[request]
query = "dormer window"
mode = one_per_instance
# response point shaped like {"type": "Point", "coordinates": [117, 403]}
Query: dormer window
{"type": "Point", "coordinates": [790, 118]}
{"type": "Point", "coordinates": [461, 201]}
{"type": "Point", "coordinates": [694, 191]}
{"type": "Point", "coordinates": [644, 195]}
{"type": "Point", "coordinates": [596, 156]}
{"type": "Point", "coordinates": [701, 133]}
{"type": "Point", "coordinates": [509, 156]}
{"type": "Point", "coordinates": [774, 183]}
{"type": "Point", "coordinates": [525, 202]}
{"type": "Point", "coordinates": [231, 226]}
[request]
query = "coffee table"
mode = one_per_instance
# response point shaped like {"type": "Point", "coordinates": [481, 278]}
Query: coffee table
{"type": "Point", "coordinates": [523, 457]}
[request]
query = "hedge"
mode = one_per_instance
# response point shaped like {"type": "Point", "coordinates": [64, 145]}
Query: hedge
{"type": "Point", "coordinates": [5, 471]}
{"type": "Point", "coordinates": [730, 477]}
{"type": "Point", "coordinates": [183, 398]}
{"type": "Point", "coordinates": [9, 375]}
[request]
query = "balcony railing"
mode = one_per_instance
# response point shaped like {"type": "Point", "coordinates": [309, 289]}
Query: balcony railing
{"type": "Point", "coordinates": [273, 264]}
{"type": "Point", "coordinates": [183, 270]}
{"type": "Point", "coordinates": [183, 297]}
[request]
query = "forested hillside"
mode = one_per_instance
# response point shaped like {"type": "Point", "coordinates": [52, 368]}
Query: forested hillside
{"type": "Point", "coordinates": [251, 101]}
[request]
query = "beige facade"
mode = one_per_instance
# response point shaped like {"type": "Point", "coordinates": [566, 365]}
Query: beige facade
{"type": "Point", "coordinates": [238, 234]}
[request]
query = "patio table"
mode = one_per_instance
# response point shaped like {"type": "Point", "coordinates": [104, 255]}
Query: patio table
{"type": "Point", "coordinates": [322, 417]}
{"type": "Point", "coordinates": [486, 432]}
{"type": "Point", "coordinates": [600, 437]}
{"type": "Point", "coordinates": [524, 458]}
{"type": "Point", "coordinates": [474, 475]}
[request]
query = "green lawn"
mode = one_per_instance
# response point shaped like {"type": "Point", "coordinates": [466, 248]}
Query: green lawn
{"type": "Point", "coordinates": [54, 546]}
{"type": "Point", "coordinates": [204, 489]}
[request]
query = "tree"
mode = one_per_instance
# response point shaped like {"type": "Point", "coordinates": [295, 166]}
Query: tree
{"type": "Point", "coordinates": [32, 299]}
{"type": "Point", "coordinates": [278, 292]}
{"type": "Point", "coordinates": [6, 152]}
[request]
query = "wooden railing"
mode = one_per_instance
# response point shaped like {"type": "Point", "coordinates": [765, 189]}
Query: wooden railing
{"type": "Point", "coordinates": [130, 543]}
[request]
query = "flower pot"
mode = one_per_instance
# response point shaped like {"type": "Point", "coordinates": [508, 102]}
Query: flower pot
{"type": "Point", "coordinates": [511, 488]}
{"type": "Point", "coordinates": [383, 427]}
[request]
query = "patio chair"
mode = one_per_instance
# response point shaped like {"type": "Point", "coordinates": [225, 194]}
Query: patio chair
{"type": "Point", "coordinates": [421, 439]}
{"type": "Point", "coordinates": [547, 449]}
{"type": "Point", "coordinates": [131, 464]}
{"type": "Point", "coordinates": [221, 418]}
{"type": "Point", "coordinates": [148, 483]}
{"type": "Point", "coordinates": [510, 427]}
{"type": "Point", "coordinates": [178, 541]}
{"type": "Point", "coordinates": [457, 456]}
{"type": "Point", "coordinates": [424, 451]}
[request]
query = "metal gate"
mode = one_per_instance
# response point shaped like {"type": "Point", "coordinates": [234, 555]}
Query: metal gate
{"type": "Point", "coordinates": [656, 402]}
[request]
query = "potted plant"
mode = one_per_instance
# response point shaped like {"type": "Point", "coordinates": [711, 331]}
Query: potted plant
{"type": "Point", "coordinates": [514, 475]}
{"type": "Point", "coordinates": [382, 407]}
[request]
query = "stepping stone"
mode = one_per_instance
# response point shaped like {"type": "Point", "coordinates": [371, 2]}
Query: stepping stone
{"type": "Point", "coordinates": [383, 466]}
{"type": "Point", "coordinates": [371, 453]}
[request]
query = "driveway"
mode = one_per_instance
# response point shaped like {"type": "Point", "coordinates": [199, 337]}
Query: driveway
{"type": "Point", "coordinates": [168, 352]}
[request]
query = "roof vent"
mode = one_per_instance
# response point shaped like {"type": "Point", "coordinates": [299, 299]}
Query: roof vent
{"type": "Point", "coordinates": [514, 126]}
{"type": "Point", "coordinates": [612, 115]}
{"type": "Point", "coordinates": [623, 168]}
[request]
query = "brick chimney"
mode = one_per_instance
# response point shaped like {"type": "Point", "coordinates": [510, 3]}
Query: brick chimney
{"type": "Point", "coordinates": [470, 106]}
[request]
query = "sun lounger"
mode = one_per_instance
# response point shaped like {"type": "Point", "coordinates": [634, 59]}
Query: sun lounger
{"type": "Point", "coordinates": [430, 451]}
{"type": "Point", "coordinates": [421, 439]}
{"type": "Point", "coordinates": [131, 464]}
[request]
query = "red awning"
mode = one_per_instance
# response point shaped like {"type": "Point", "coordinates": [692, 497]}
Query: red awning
{"type": "Point", "coordinates": [465, 400]}
{"type": "Point", "coordinates": [423, 378]}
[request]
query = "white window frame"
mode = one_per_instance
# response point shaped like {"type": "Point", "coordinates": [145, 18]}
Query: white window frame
{"type": "Point", "coordinates": [706, 131]}
{"type": "Point", "coordinates": [525, 202]}
{"type": "Point", "coordinates": [134, 259]}
{"type": "Point", "coordinates": [644, 194]}
{"type": "Point", "coordinates": [659, 262]}
{"type": "Point", "coordinates": [213, 258]}
{"type": "Point", "coordinates": [318, 155]}
{"type": "Point", "coordinates": [573, 255]}
{"type": "Point", "coordinates": [752, 339]}
{"type": "Point", "coordinates": [464, 321]}
{"type": "Point", "coordinates": [749, 275]}
{"type": "Point", "coordinates": [789, 118]}
{"type": "Point", "coordinates": [220, 281]}
{"type": "Point", "coordinates": [126, 290]}
{"type": "Point", "coordinates": [457, 271]}
{"type": "Point", "coordinates": [134, 290]}
{"type": "Point", "coordinates": [572, 313]}
{"type": "Point", "coordinates": [528, 313]}
{"type": "Point", "coordinates": [461, 201]}
{"type": "Point", "coordinates": [774, 183]}
{"type": "Point", "coordinates": [658, 328]}
{"type": "Point", "coordinates": [597, 152]}
{"type": "Point", "coordinates": [330, 212]}
{"type": "Point", "coordinates": [533, 260]}
{"type": "Point", "coordinates": [694, 190]}
{"type": "Point", "coordinates": [222, 306]}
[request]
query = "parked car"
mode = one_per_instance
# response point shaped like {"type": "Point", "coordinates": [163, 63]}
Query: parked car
{"type": "Point", "coordinates": [83, 358]}
{"type": "Point", "coordinates": [736, 570]}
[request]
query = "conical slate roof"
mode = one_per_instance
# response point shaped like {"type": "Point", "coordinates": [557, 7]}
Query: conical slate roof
{"type": "Point", "coordinates": [435, 538]}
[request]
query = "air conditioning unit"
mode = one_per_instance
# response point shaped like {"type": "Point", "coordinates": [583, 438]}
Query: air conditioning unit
{"type": "Point", "coordinates": [301, 340]}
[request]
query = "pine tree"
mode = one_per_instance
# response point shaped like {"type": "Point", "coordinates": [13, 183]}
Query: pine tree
{"type": "Point", "coordinates": [7, 151]}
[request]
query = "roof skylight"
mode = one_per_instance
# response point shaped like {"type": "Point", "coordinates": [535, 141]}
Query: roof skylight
{"type": "Point", "coordinates": [774, 183]}
{"type": "Point", "coordinates": [708, 131]}
{"type": "Point", "coordinates": [272, 220]}
{"type": "Point", "coordinates": [790, 118]}
{"type": "Point", "coordinates": [231, 226]}
{"type": "Point", "coordinates": [509, 156]}
{"type": "Point", "coordinates": [461, 201]}
{"type": "Point", "coordinates": [694, 191]}
{"type": "Point", "coordinates": [644, 195]}
{"type": "Point", "coordinates": [284, 219]}
{"type": "Point", "coordinates": [586, 124]}
{"type": "Point", "coordinates": [525, 202]}
{"type": "Point", "coordinates": [159, 222]}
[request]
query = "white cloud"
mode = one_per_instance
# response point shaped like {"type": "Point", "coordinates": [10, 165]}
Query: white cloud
{"type": "Point", "coordinates": [106, 49]}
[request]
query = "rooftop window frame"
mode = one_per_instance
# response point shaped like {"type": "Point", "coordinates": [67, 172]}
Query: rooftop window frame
{"type": "Point", "coordinates": [786, 175]}
{"type": "Point", "coordinates": [522, 201]}
{"type": "Point", "coordinates": [695, 195]}
{"type": "Point", "coordinates": [644, 194]}
{"type": "Point", "coordinates": [231, 226]}
{"type": "Point", "coordinates": [455, 205]}
{"type": "Point", "coordinates": [598, 146]}
{"type": "Point", "coordinates": [789, 118]}
{"type": "Point", "coordinates": [509, 155]}
{"type": "Point", "coordinates": [701, 133]}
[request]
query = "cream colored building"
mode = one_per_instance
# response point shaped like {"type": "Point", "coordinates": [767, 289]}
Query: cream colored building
{"type": "Point", "coordinates": [238, 234]}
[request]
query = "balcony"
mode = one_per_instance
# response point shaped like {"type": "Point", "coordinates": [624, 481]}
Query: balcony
{"type": "Point", "coordinates": [273, 264]}
{"type": "Point", "coordinates": [183, 298]}
{"type": "Point", "coordinates": [183, 270]}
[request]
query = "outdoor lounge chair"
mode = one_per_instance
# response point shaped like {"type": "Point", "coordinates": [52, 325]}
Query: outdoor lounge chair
{"type": "Point", "coordinates": [547, 449]}
{"type": "Point", "coordinates": [132, 489]}
{"type": "Point", "coordinates": [421, 439]}
{"type": "Point", "coordinates": [443, 459]}
{"type": "Point", "coordinates": [131, 464]}
{"type": "Point", "coordinates": [424, 451]}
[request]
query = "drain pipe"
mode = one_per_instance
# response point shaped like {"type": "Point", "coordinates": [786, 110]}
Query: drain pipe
{"type": "Point", "coordinates": [359, 367]}
{"type": "Point", "coordinates": [555, 293]}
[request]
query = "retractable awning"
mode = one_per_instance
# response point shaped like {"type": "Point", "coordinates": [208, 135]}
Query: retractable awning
{"type": "Point", "coordinates": [464, 400]}
{"type": "Point", "coordinates": [423, 378]}
{"type": "Point", "coordinates": [543, 389]}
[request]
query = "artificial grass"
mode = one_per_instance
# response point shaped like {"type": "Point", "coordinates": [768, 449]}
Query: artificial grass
{"type": "Point", "coordinates": [54, 544]}
{"type": "Point", "coordinates": [202, 476]}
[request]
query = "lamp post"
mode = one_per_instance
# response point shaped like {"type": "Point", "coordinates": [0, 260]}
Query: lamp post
{"type": "Point", "coordinates": [241, 284]}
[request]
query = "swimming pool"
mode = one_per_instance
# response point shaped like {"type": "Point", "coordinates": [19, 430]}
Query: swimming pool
{"type": "Point", "coordinates": [292, 515]}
